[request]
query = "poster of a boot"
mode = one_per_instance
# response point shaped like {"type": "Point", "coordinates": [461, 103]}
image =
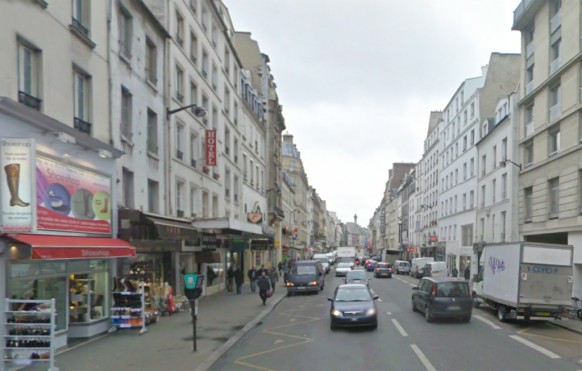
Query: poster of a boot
{"type": "Point", "coordinates": [13, 180]}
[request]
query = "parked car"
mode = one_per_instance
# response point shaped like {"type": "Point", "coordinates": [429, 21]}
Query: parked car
{"type": "Point", "coordinates": [324, 259]}
{"type": "Point", "coordinates": [305, 276]}
{"type": "Point", "coordinates": [443, 297]}
{"type": "Point", "coordinates": [401, 267]}
{"type": "Point", "coordinates": [435, 269]}
{"type": "Point", "coordinates": [417, 266]}
{"type": "Point", "coordinates": [357, 276]}
{"type": "Point", "coordinates": [383, 270]}
{"type": "Point", "coordinates": [353, 305]}
{"type": "Point", "coordinates": [371, 265]}
{"type": "Point", "coordinates": [342, 268]}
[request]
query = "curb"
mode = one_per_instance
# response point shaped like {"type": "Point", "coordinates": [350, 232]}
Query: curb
{"type": "Point", "coordinates": [566, 327]}
{"type": "Point", "coordinates": [204, 366]}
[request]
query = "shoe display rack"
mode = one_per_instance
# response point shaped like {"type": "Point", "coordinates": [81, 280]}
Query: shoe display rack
{"type": "Point", "coordinates": [29, 333]}
{"type": "Point", "coordinates": [128, 310]}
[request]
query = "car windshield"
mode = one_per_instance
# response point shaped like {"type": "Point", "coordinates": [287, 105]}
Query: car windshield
{"type": "Point", "coordinates": [353, 294]}
{"type": "Point", "coordinates": [356, 275]}
{"type": "Point", "coordinates": [384, 265]}
{"type": "Point", "coordinates": [303, 269]}
{"type": "Point", "coordinates": [343, 265]}
{"type": "Point", "coordinates": [452, 289]}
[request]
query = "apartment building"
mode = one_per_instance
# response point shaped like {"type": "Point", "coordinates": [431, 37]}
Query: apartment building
{"type": "Point", "coordinates": [550, 195]}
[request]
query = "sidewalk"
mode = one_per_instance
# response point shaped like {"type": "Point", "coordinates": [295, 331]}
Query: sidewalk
{"type": "Point", "coordinates": [222, 320]}
{"type": "Point", "coordinates": [572, 324]}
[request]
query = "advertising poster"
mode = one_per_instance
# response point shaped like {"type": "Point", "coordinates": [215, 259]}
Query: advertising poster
{"type": "Point", "coordinates": [72, 199]}
{"type": "Point", "coordinates": [16, 185]}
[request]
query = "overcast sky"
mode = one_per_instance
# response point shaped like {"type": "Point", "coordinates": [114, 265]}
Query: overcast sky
{"type": "Point", "coordinates": [358, 78]}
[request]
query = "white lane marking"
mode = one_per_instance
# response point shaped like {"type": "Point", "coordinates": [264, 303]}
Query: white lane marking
{"type": "Point", "coordinates": [535, 346]}
{"type": "Point", "coordinates": [400, 329]}
{"type": "Point", "coordinates": [483, 319]}
{"type": "Point", "coordinates": [380, 300]}
{"type": "Point", "coordinates": [422, 358]}
{"type": "Point", "coordinates": [389, 313]}
{"type": "Point", "coordinates": [412, 285]}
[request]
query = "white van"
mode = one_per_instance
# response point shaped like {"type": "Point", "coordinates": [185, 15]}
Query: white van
{"type": "Point", "coordinates": [401, 267]}
{"type": "Point", "coordinates": [417, 266]}
{"type": "Point", "coordinates": [435, 269]}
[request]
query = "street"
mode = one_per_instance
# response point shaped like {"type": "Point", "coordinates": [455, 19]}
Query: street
{"type": "Point", "coordinates": [296, 335]}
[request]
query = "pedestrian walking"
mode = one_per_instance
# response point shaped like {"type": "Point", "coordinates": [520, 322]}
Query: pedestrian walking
{"type": "Point", "coordinates": [252, 274]}
{"type": "Point", "coordinates": [264, 284]}
{"type": "Point", "coordinates": [467, 273]}
{"type": "Point", "coordinates": [261, 270]}
{"type": "Point", "coordinates": [455, 272]}
{"type": "Point", "coordinates": [274, 277]}
{"type": "Point", "coordinates": [239, 279]}
{"type": "Point", "coordinates": [230, 278]}
{"type": "Point", "coordinates": [280, 268]}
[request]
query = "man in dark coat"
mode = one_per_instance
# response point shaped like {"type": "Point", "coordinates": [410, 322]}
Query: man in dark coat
{"type": "Point", "coordinates": [455, 272]}
{"type": "Point", "coordinates": [264, 284]}
{"type": "Point", "coordinates": [252, 274]}
{"type": "Point", "coordinates": [239, 279]}
{"type": "Point", "coordinates": [230, 278]}
{"type": "Point", "coordinates": [467, 273]}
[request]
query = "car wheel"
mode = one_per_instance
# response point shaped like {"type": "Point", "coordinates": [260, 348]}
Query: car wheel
{"type": "Point", "coordinates": [427, 314]}
{"type": "Point", "coordinates": [414, 306]}
{"type": "Point", "coordinates": [502, 313]}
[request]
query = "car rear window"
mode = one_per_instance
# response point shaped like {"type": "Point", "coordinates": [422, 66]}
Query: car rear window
{"type": "Point", "coordinates": [303, 269]}
{"type": "Point", "coordinates": [359, 275]}
{"type": "Point", "coordinates": [452, 289]}
{"type": "Point", "coordinates": [384, 265]}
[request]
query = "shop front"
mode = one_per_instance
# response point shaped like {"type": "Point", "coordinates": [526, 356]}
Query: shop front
{"type": "Point", "coordinates": [56, 221]}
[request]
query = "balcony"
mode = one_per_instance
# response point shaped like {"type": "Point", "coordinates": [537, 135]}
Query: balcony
{"type": "Point", "coordinates": [205, 169]}
{"type": "Point", "coordinates": [82, 126]}
{"type": "Point", "coordinates": [29, 100]}
{"type": "Point", "coordinates": [193, 163]}
{"type": "Point", "coordinates": [525, 13]}
{"type": "Point", "coordinates": [79, 26]}
{"type": "Point", "coordinates": [216, 176]}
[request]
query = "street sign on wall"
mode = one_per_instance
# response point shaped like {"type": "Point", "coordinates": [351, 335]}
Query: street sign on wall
{"type": "Point", "coordinates": [210, 147]}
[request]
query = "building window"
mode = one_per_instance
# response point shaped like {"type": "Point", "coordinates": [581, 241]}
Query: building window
{"type": "Point", "coordinates": [226, 100]}
{"type": "Point", "coordinates": [193, 48]}
{"type": "Point", "coordinates": [151, 62]}
{"type": "Point", "coordinates": [483, 165]}
{"type": "Point", "coordinates": [152, 132]}
{"type": "Point", "coordinates": [193, 201]}
{"type": "Point", "coordinates": [180, 141]}
{"type": "Point", "coordinates": [29, 64]}
{"type": "Point", "coordinates": [205, 206]}
{"type": "Point", "coordinates": [494, 157]}
{"type": "Point", "coordinates": [528, 203]}
{"type": "Point", "coordinates": [126, 113]}
{"type": "Point", "coordinates": [528, 153]}
{"type": "Point", "coordinates": [483, 196]}
{"type": "Point", "coordinates": [235, 188]}
{"type": "Point", "coordinates": [214, 206]}
{"type": "Point", "coordinates": [554, 188]}
{"type": "Point", "coordinates": [471, 199]}
{"type": "Point", "coordinates": [205, 63]}
{"type": "Point", "coordinates": [494, 191]}
{"type": "Point", "coordinates": [504, 186]}
{"type": "Point", "coordinates": [235, 150]}
{"type": "Point", "coordinates": [81, 16]}
{"type": "Point", "coordinates": [472, 136]}
{"type": "Point", "coordinates": [504, 149]}
{"type": "Point", "coordinates": [467, 231]}
{"type": "Point", "coordinates": [502, 227]}
{"type": "Point", "coordinates": [179, 84]}
{"type": "Point", "coordinates": [128, 194]}
{"type": "Point", "coordinates": [204, 19]}
{"type": "Point", "coordinates": [214, 77]}
{"type": "Point", "coordinates": [529, 120]}
{"type": "Point", "coordinates": [194, 149]}
{"type": "Point", "coordinates": [193, 95]}
{"type": "Point", "coordinates": [227, 184]}
{"type": "Point", "coordinates": [214, 36]}
{"type": "Point", "coordinates": [226, 62]}
{"type": "Point", "coordinates": [180, 199]}
{"type": "Point", "coordinates": [125, 32]}
{"type": "Point", "coordinates": [81, 93]}
{"type": "Point", "coordinates": [227, 142]}
{"type": "Point", "coordinates": [179, 29]}
{"type": "Point", "coordinates": [554, 140]}
{"type": "Point", "coordinates": [153, 196]}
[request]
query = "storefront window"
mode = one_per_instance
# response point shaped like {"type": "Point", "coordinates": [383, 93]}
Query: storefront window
{"type": "Point", "coordinates": [215, 272]}
{"type": "Point", "coordinates": [42, 289]}
{"type": "Point", "coordinates": [36, 269]}
{"type": "Point", "coordinates": [152, 269]}
{"type": "Point", "coordinates": [87, 296]}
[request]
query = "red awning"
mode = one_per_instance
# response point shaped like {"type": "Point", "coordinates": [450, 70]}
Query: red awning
{"type": "Point", "coordinates": [66, 247]}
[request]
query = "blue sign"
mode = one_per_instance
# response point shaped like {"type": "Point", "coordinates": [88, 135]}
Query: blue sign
{"type": "Point", "coordinates": [190, 280]}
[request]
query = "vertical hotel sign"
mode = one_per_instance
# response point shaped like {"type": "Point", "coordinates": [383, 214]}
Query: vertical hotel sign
{"type": "Point", "coordinates": [210, 147]}
{"type": "Point", "coordinates": [72, 199]}
{"type": "Point", "coordinates": [16, 185]}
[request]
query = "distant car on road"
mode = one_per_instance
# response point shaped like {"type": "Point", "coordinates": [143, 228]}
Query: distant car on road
{"type": "Point", "coordinates": [443, 297]}
{"type": "Point", "coordinates": [383, 269]}
{"type": "Point", "coordinates": [342, 268]}
{"type": "Point", "coordinates": [357, 276]}
{"type": "Point", "coordinates": [305, 276]}
{"type": "Point", "coordinates": [401, 267]}
{"type": "Point", "coordinates": [353, 305]}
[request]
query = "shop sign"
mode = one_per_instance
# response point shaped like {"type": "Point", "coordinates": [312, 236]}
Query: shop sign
{"type": "Point", "coordinates": [411, 249]}
{"type": "Point", "coordinates": [208, 242]}
{"type": "Point", "coordinates": [16, 185]}
{"type": "Point", "coordinates": [210, 147]}
{"type": "Point", "coordinates": [262, 244]}
{"type": "Point", "coordinates": [72, 199]}
{"type": "Point", "coordinates": [52, 253]}
{"type": "Point", "coordinates": [433, 239]}
{"type": "Point", "coordinates": [255, 217]}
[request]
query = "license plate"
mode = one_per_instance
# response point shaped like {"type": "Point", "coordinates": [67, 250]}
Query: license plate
{"type": "Point", "coordinates": [454, 307]}
{"type": "Point", "coordinates": [354, 319]}
{"type": "Point", "coordinates": [301, 288]}
{"type": "Point", "coordinates": [542, 314]}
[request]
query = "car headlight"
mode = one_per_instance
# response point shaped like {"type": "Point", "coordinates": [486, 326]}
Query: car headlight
{"type": "Point", "coordinates": [289, 284]}
{"type": "Point", "coordinates": [336, 313]}
{"type": "Point", "coordinates": [313, 283]}
{"type": "Point", "coordinates": [371, 312]}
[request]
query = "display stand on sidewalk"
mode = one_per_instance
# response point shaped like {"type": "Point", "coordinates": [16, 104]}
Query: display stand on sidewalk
{"type": "Point", "coordinates": [29, 333]}
{"type": "Point", "coordinates": [128, 310]}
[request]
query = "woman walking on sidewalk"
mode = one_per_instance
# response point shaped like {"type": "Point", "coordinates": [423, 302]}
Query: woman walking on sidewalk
{"type": "Point", "coordinates": [264, 284]}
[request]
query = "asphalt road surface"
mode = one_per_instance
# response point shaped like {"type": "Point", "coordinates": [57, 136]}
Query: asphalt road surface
{"type": "Point", "coordinates": [297, 336]}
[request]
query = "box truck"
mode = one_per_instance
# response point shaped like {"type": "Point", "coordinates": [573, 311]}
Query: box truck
{"type": "Point", "coordinates": [347, 254]}
{"type": "Point", "coordinates": [524, 280]}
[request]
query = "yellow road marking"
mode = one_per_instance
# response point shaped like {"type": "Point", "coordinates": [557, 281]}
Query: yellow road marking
{"type": "Point", "coordinates": [524, 330]}
{"type": "Point", "coordinates": [553, 338]}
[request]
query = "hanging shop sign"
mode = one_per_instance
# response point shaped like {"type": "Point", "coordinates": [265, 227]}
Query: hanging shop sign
{"type": "Point", "coordinates": [433, 239]}
{"type": "Point", "coordinates": [16, 185]}
{"type": "Point", "coordinates": [208, 242]}
{"type": "Point", "coordinates": [210, 147]}
{"type": "Point", "coordinates": [255, 217]}
{"type": "Point", "coordinates": [262, 244]}
{"type": "Point", "coordinates": [72, 199]}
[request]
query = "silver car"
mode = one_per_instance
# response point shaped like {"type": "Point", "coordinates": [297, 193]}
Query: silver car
{"type": "Point", "coordinates": [342, 269]}
{"type": "Point", "coordinates": [357, 276]}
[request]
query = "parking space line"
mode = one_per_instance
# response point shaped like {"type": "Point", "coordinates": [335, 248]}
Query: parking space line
{"type": "Point", "coordinates": [422, 358]}
{"type": "Point", "coordinates": [400, 328]}
{"type": "Point", "coordinates": [535, 346]}
{"type": "Point", "coordinates": [483, 319]}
